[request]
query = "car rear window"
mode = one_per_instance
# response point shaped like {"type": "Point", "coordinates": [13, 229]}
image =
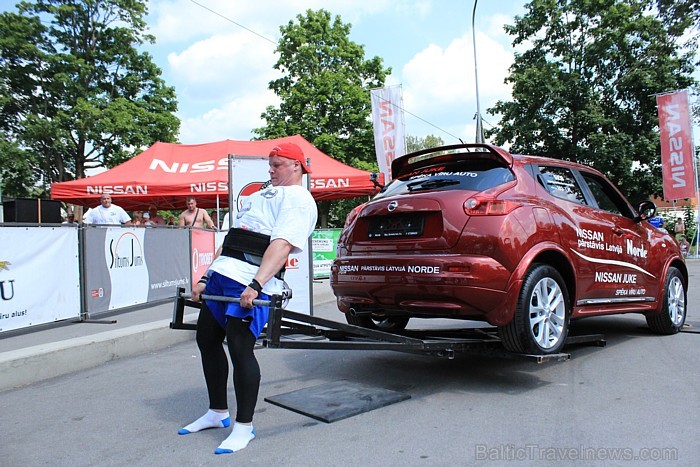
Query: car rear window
{"type": "Point", "coordinates": [473, 174]}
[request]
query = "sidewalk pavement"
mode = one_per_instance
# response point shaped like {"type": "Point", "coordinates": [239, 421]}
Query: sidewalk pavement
{"type": "Point", "coordinates": [47, 351]}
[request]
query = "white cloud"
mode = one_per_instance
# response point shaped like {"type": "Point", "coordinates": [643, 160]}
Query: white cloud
{"type": "Point", "coordinates": [177, 21]}
{"type": "Point", "coordinates": [439, 83]}
{"type": "Point", "coordinates": [223, 65]}
{"type": "Point", "coordinates": [225, 77]}
{"type": "Point", "coordinates": [235, 119]}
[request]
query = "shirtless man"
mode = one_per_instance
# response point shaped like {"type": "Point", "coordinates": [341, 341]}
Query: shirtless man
{"type": "Point", "coordinates": [195, 217]}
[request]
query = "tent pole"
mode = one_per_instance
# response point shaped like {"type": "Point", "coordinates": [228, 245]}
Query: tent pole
{"type": "Point", "coordinates": [218, 213]}
{"type": "Point", "coordinates": [230, 191]}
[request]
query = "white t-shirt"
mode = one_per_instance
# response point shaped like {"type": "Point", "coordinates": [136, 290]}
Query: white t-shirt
{"type": "Point", "coordinates": [287, 212]}
{"type": "Point", "coordinates": [111, 215]}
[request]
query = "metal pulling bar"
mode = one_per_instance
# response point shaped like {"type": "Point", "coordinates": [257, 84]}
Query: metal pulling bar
{"type": "Point", "coordinates": [184, 299]}
{"type": "Point", "coordinates": [222, 298]}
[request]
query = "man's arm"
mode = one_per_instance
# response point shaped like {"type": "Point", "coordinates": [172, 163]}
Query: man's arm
{"type": "Point", "coordinates": [207, 220]}
{"type": "Point", "coordinates": [181, 220]}
{"type": "Point", "coordinates": [124, 218]}
{"type": "Point", "coordinates": [274, 258]}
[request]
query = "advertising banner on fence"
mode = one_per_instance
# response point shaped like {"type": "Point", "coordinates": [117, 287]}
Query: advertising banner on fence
{"type": "Point", "coordinates": [249, 176]}
{"type": "Point", "coordinates": [39, 276]}
{"type": "Point", "coordinates": [131, 266]}
{"type": "Point", "coordinates": [203, 250]}
{"type": "Point", "coordinates": [677, 149]}
{"type": "Point", "coordinates": [388, 123]}
{"type": "Point", "coordinates": [323, 242]}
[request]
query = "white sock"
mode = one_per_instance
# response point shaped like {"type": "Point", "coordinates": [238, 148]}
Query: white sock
{"type": "Point", "coordinates": [211, 419]}
{"type": "Point", "coordinates": [238, 439]}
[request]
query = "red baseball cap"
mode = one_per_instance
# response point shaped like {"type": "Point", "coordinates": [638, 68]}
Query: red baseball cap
{"type": "Point", "coordinates": [291, 151]}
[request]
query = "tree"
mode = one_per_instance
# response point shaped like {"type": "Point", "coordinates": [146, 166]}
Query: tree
{"type": "Point", "coordinates": [415, 143]}
{"type": "Point", "coordinates": [75, 93]}
{"type": "Point", "coordinates": [682, 17]}
{"type": "Point", "coordinates": [324, 90]}
{"type": "Point", "coordinates": [584, 89]}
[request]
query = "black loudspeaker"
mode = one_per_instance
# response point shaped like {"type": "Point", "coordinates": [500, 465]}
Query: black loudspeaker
{"type": "Point", "coordinates": [27, 210]}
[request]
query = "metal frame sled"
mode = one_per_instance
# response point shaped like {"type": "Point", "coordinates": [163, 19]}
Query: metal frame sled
{"type": "Point", "coordinates": [291, 330]}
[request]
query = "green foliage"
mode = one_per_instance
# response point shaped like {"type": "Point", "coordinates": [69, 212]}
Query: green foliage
{"type": "Point", "coordinates": [689, 215]}
{"type": "Point", "coordinates": [340, 208]}
{"type": "Point", "coordinates": [75, 93]}
{"type": "Point", "coordinates": [583, 90]}
{"type": "Point", "coordinates": [16, 171]}
{"type": "Point", "coordinates": [669, 218]}
{"type": "Point", "coordinates": [415, 143]}
{"type": "Point", "coordinates": [324, 90]}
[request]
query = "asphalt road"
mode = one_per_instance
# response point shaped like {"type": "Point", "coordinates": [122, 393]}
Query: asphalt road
{"type": "Point", "coordinates": [633, 402]}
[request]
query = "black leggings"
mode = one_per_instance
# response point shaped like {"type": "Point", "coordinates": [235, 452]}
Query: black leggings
{"type": "Point", "coordinates": [246, 371]}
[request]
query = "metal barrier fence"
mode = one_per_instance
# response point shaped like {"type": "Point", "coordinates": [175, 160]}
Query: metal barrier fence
{"type": "Point", "coordinates": [53, 272]}
{"type": "Point", "coordinates": [39, 275]}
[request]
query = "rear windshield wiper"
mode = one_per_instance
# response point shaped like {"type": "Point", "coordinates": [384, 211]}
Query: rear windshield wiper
{"type": "Point", "coordinates": [429, 184]}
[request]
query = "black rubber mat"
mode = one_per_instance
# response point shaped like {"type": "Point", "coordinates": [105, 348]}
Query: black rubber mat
{"type": "Point", "coordinates": [335, 401]}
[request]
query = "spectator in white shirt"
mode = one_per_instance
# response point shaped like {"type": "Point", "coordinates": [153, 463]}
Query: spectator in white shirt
{"type": "Point", "coordinates": [107, 213]}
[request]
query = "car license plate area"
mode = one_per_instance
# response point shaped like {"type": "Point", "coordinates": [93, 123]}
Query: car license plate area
{"type": "Point", "coordinates": [396, 226]}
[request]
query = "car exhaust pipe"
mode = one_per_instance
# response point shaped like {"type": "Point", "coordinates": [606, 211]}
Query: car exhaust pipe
{"type": "Point", "coordinates": [356, 312]}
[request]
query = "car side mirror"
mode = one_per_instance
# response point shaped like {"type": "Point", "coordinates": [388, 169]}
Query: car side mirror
{"type": "Point", "coordinates": [646, 210]}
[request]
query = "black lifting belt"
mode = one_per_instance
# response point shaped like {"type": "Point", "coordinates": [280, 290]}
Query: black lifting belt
{"type": "Point", "coordinates": [247, 246]}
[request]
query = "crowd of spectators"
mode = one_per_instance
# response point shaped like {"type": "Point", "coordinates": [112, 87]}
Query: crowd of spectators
{"type": "Point", "coordinates": [108, 213]}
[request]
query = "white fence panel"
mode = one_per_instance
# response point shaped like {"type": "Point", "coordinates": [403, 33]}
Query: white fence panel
{"type": "Point", "coordinates": [39, 276]}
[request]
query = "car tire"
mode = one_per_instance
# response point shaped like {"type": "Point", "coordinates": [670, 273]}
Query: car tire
{"type": "Point", "coordinates": [673, 312]}
{"type": "Point", "coordinates": [389, 324]}
{"type": "Point", "coordinates": [540, 324]}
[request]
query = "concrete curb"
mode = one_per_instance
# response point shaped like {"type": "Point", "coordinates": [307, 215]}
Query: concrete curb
{"type": "Point", "coordinates": [29, 365]}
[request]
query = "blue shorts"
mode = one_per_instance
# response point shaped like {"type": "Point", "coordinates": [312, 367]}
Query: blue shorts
{"type": "Point", "coordinates": [219, 284]}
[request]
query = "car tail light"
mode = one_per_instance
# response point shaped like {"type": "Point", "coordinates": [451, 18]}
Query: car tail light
{"type": "Point", "coordinates": [487, 206]}
{"type": "Point", "coordinates": [353, 214]}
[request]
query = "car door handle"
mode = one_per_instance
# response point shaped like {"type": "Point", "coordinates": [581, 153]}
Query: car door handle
{"type": "Point", "coordinates": [617, 231]}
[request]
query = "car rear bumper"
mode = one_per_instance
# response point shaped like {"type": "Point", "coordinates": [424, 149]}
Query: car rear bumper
{"type": "Point", "coordinates": [445, 286]}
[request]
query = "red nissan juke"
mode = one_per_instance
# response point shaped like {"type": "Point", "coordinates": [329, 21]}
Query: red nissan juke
{"type": "Point", "coordinates": [525, 243]}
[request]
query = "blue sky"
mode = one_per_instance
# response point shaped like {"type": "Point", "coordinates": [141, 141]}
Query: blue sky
{"type": "Point", "coordinates": [220, 70]}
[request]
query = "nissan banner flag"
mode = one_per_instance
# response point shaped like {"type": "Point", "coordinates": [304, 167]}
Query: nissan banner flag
{"type": "Point", "coordinates": [677, 150]}
{"type": "Point", "coordinates": [387, 119]}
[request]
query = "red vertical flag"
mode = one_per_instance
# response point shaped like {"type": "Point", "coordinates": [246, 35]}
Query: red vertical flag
{"type": "Point", "coordinates": [387, 119]}
{"type": "Point", "coordinates": [677, 152]}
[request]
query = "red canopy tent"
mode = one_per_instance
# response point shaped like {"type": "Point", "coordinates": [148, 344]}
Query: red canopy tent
{"type": "Point", "coordinates": [166, 173]}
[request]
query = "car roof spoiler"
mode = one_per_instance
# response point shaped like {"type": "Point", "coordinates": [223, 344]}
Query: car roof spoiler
{"type": "Point", "coordinates": [432, 156]}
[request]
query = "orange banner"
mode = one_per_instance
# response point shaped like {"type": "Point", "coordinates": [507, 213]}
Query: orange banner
{"type": "Point", "coordinates": [202, 252]}
{"type": "Point", "coordinates": [677, 160]}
